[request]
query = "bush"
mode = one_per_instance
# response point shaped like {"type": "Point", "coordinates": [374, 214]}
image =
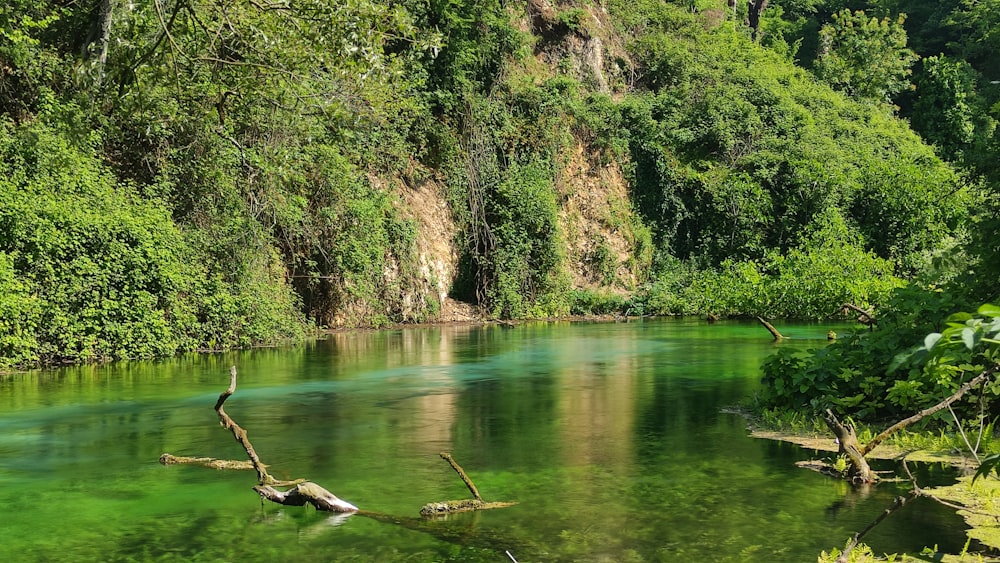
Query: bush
{"type": "Point", "coordinates": [91, 271]}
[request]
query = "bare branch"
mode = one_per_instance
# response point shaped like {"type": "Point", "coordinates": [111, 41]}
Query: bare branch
{"type": "Point", "coordinates": [458, 469]}
{"type": "Point", "coordinates": [979, 379]}
{"type": "Point", "coordinates": [770, 328]}
{"type": "Point", "coordinates": [240, 434]}
{"type": "Point", "coordinates": [896, 505]}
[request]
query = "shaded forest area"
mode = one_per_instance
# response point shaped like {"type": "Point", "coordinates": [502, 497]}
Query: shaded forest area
{"type": "Point", "coordinates": [183, 174]}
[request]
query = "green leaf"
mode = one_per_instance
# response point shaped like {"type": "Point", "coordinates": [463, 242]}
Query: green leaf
{"type": "Point", "coordinates": [959, 317]}
{"type": "Point", "coordinates": [931, 339]}
{"type": "Point", "coordinates": [988, 310]}
{"type": "Point", "coordinates": [988, 464]}
{"type": "Point", "coordinates": [969, 338]}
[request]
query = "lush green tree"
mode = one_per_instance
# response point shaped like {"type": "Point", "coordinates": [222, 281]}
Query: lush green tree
{"type": "Point", "coordinates": [94, 271]}
{"type": "Point", "coordinates": [864, 56]}
{"type": "Point", "coordinates": [980, 20]}
{"type": "Point", "coordinates": [945, 111]}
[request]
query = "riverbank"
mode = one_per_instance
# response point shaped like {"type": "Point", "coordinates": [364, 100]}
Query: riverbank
{"type": "Point", "coordinates": [979, 500]}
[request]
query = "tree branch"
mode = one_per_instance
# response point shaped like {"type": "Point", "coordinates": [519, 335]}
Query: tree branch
{"type": "Point", "coordinates": [458, 469]}
{"type": "Point", "coordinates": [239, 433]}
{"type": "Point", "coordinates": [774, 332]}
{"type": "Point", "coordinates": [931, 410]}
{"type": "Point", "coordinates": [896, 505]}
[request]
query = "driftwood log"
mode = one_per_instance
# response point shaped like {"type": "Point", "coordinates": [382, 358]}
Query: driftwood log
{"type": "Point", "coordinates": [770, 328]}
{"type": "Point", "coordinates": [466, 505]}
{"type": "Point", "coordinates": [210, 462]}
{"type": "Point", "coordinates": [859, 471]}
{"type": "Point", "coordinates": [303, 492]}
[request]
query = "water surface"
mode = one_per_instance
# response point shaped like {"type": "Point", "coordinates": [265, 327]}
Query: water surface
{"type": "Point", "coordinates": [609, 435]}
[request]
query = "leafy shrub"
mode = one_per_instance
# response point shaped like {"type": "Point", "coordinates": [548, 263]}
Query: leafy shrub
{"type": "Point", "coordinates": [811, 281]}
{"type": "Point", "coordinates": [525, 265]}
{"type": "Point", "coordinates": [94, 272]}
{"type": "Point", "coordinates": [587, 302]}
{"type": "Point", "coordinates": [866, 376]}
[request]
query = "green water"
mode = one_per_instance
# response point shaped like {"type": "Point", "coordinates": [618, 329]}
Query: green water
{"type": "Point", "coordinates": [609, 435]}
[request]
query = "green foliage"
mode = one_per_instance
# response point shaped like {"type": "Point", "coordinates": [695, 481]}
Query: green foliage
{"type": "Point", "coordinates": [811, 281]}
{"type": "Point", "coordinates": [478, 38]}
{"type": "Point", "coordinates": [265, 144]}
{"type": "Point", "coordinates": [865, 57]}
{"type": "Point", "coordinates": [864, 374]}
{"type": "Point", "coordinates": [944, 112]}
{"type": "Point", "coordinates": [736, 152]}
{"type": "Point", "coordinates": [587, 302]}
{"type": "Point", "coordinates": [30, 74]}
{"type": "Point", "coordinates": [92, 271]}
{"type": "Point", "coordinates": [524, 265]}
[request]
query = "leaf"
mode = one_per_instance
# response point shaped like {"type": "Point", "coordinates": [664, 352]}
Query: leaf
{"type": "Point", "coordinates": [931, 339]}
{"type": "Point", "coordinates": [959, 317]}
{"type": "Point", "coordinates": [969, 338]}
{"type": "Point", "coordinates": [988, 464]}
{"type": "Point", "coordinates": [988, 310]}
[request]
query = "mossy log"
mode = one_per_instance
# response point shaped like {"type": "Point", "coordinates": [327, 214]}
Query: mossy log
{"type": "Point", "coordinates": [467, 505]}
{"type": "Point", "coordinates": [859, 471]}
{"type": "Point", "coordinates": [210, 462]}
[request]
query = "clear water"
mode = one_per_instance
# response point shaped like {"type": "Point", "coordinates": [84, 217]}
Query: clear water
{"type": "Point", "coordinates": [609, 435]}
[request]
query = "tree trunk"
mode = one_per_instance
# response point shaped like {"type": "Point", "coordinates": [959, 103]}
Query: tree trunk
{"type": "Point", "coordinates": [859, 471]}
{"type": "Point", "coordinates": [753, 17]}
{"type": "Point", "coordinates": [770, 328]}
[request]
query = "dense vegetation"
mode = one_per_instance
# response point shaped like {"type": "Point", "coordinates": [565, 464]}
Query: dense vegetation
{"type": "Point", "coordinates": [187, 174]}
{"type": "Point", "coordinates": [903, 364]}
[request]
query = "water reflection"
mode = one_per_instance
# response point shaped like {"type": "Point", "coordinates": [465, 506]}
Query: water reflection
{"type": "Point", "coordinates": [609, 435]}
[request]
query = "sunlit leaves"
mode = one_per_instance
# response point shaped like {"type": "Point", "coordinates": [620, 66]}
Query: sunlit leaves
{"type": "Point", "coordinates": [865, 56]}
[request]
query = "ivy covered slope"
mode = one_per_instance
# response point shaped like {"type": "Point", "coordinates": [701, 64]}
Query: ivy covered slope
{"type": "Point", "coordinates": [940, 330]}
{"type": "Point", "coordinates": [190, 174]}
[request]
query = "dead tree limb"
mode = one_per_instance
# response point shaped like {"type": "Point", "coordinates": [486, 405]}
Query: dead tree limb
{"type": "Point", "coordinates": [465, 505]}
{"type": "Point", "coordinates": [859, 471]}
{"type": "Point", "coordinates": [239, 433]}
{"type": "Point", "coordinates": [302, 491]}
{"type": "Point", "coordinates": [975, 381]}
{"type": "Point", "coordinates": [774, 332]}
{"type": "Point", "coordinates": [865, 318]}
{"type": "Point", "coordinates": [210, 462]}
{"type": "Point", "coordinates": [896, 505]}
{"type": "Point", "coordinates": [847, 439]}
{"type": "Point", "coordinates": [461, 473]}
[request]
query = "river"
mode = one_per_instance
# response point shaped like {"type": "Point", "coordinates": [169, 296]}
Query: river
{"type": "Point", "coordinates": [610, 436]}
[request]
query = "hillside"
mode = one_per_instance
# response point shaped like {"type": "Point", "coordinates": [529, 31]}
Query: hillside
{"type": "Point", "coordinates": [193, 175]}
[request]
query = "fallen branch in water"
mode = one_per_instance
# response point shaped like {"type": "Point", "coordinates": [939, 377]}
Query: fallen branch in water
{"type": "Point", "coordinates": [898, 503]}
{"type": "Point", "coordinates": [305, 492]}
{"type": "Point", "coordinates": [864, 317]}
{"type": "Point", "coordinates": [859, 472]}
{"type": "Point", "coordinates": [770, 328]}
{"type": "Point", "coordinates": [302, 491]}
{"type": "Point", "coordinates": [210, 462]}
{"type": "Point", "coordinates": [466, 505]}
